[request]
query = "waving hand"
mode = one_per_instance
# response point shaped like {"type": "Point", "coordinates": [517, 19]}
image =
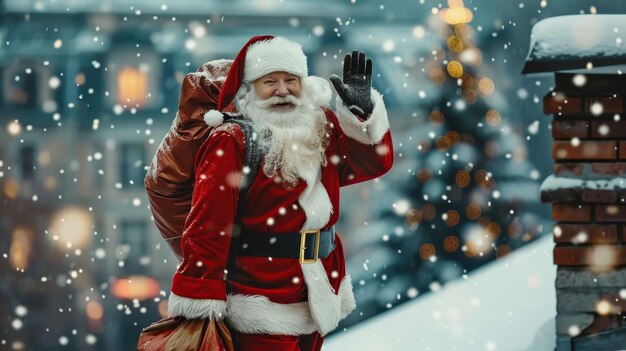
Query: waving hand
{"type": "Point", "coordinates": [355, 88]}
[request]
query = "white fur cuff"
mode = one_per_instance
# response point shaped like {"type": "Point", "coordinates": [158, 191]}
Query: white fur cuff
{"type": "Point", "coordinates": [317, 89]}
{"type": "Point", "coordinates": [196, 308]}
{"type": "Point", "coordinates": [373, 129]}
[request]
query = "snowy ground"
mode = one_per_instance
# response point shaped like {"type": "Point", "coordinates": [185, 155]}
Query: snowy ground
{"type": "Point", "coordinates": [508, 305]}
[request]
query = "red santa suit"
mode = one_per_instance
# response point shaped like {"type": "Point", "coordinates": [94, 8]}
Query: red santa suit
{"type": "Point", "coordinates": [275, 296]}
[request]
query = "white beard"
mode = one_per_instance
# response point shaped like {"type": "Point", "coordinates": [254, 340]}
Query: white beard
{"type": "Point", "coordinates": [294, 140]}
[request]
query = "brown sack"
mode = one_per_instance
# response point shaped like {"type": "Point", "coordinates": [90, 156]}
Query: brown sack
{"type": "Point", "coordinates": [179, 334]}
{"type": "Point", "coordinates": [170, 177]}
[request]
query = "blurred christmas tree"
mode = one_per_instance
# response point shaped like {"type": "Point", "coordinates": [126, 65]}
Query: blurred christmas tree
{"type": "Point", "coordinates": [470, 196]}
{"type": "Point", "coordinates": [474, 178]}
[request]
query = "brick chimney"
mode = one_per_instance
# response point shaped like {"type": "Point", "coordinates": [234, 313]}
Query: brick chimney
{"type": "Point", "coordinates": [588, 187]}
{"type": "Point", "coordinates": [588, 196]}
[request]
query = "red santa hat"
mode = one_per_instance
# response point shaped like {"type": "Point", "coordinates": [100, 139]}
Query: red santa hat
{"type": "Point", "coordinates": [261, 55]}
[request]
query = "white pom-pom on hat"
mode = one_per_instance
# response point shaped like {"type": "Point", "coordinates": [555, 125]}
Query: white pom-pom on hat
{"type": "Point", "coordinates": [213, 118]}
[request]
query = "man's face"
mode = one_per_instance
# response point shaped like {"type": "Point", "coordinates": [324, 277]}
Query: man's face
{"type": "Point", "coordinates": [278, 84]}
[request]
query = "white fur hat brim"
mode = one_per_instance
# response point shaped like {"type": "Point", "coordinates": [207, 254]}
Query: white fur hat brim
{"type": "Point", "coordinates": [274, 55]}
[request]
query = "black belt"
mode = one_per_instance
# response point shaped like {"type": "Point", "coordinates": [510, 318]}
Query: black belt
{"type": "Point", "coordinates": [307, 245]}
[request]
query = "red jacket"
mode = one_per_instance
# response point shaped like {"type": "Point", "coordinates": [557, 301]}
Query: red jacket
{"type": "Point", "coordinates": [215, 202]}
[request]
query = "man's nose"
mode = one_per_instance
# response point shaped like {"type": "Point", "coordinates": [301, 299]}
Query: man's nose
{"type": "Point", "coordinates": [281, 89]}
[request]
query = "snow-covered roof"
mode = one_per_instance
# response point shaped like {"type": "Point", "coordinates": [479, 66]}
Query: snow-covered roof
{"type": "Point", "coordinates": [507, 305]}
{"type": "Point", "coordinates": [572, 42]}
{"type": "Point", "coordinates": [301, 8]}
{"type": "Point", "coordinates": [229, 43]}
{"type": "Point", "coordinates": [27, 39]}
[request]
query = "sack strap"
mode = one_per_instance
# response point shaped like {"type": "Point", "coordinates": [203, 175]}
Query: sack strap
{"type": "Point", "coordinates": [252, 160]}
{"type": "Point", "coordinates": [251, 165]}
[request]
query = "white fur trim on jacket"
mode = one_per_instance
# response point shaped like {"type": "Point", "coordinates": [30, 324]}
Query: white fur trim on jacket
{"type": "Point", "coordinates": [327, 307]}
{"type": "Point", "coordinates": [317, 89]}
{"type": "Point", "coordinates": [213, 118]}
{"type": "Point", "coordinates": [348, 303]}
{"type": "Point", "coordinates": [273, 55]}
{"type": "Point", "coordinates": [196, 308]}
{"type": "Point", "coordinates": [258, 315]}
{"type": "Point", "coordinates": [314, 200]}
{"type": "Point", "coordinates": [373, 129]}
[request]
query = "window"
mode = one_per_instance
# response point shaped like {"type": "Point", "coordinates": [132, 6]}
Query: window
{"type": "Point", "coordinates": [134, 241]}
{"type": "Point", "coordinates": [28, 84]}
{"type": "Point", "coordinates": [89, 84]}
{"type": "Point", "coordinates": [27, 162]}
{"type": "Point", "coordinates": [132, 158]}
{"type": "Point", "coordinates": [134, 82]}
{"type": "Point", "coordinates": [132, 87]}
{"type": "Point", "coordinates": [20, 85]}
{"type": "Point", "coordinates": [23, 91]}
{"type": "Point", "coordinates": [97, 165]}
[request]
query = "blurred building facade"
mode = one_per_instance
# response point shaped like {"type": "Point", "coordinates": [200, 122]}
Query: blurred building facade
{"type": "Point", "coordinates": [90, 87]}
{"type": "Point", "coordinates": [88, 90]}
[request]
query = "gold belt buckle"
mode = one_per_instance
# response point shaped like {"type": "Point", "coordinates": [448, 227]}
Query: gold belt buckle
{"type": "Point", "coordinates": [303, 235]}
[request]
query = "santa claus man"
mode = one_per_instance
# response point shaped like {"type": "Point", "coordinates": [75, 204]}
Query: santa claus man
{"type": "Point", "coordinates": [288, 286]}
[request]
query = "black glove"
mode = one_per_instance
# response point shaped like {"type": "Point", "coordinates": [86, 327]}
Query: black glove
{"type": "Point", "coordinates": [355, 90]}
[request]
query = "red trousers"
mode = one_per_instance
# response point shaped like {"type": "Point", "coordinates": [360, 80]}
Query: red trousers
{"type": "Point", "coordinates": [262, 342]}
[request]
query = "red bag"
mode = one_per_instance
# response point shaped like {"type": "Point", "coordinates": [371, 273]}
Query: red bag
{"type": "Point", "coordinates": [169, 180]}
{"type": "Point", "coordinates": [180, 334]}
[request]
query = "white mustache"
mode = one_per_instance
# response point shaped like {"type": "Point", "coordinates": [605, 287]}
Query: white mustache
{"type": "Point", "coordinates": [278, 100]}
